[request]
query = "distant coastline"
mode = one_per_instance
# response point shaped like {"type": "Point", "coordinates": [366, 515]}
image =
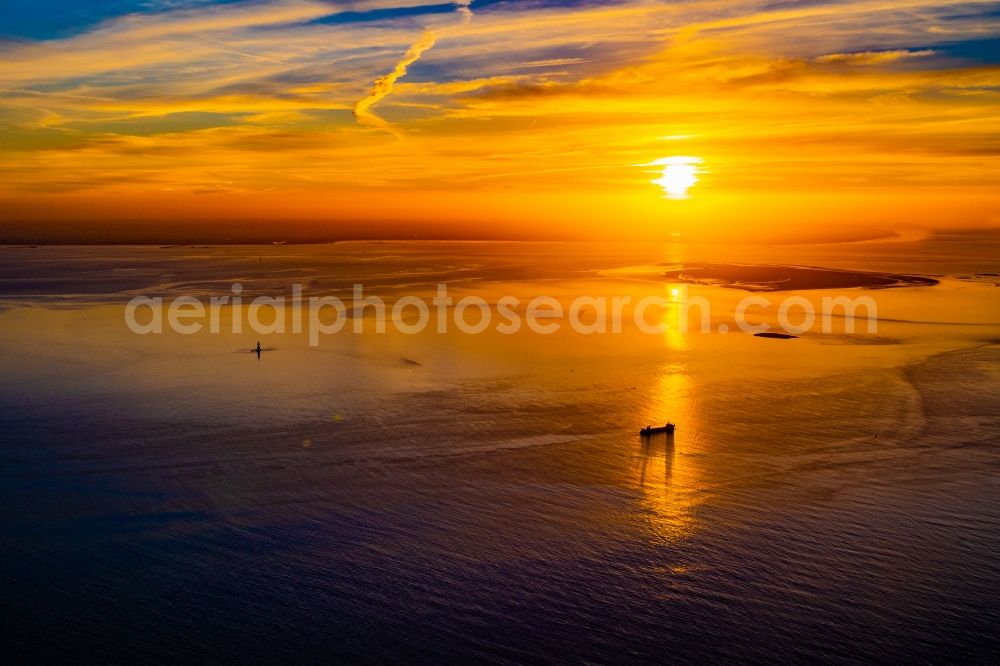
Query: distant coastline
{"type": "Point", "coordinates": [188, 232]}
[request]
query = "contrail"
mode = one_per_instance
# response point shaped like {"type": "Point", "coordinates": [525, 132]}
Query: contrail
{"type": "Point", "coordinates": [383, 85]}
{"type": "Point", "coordinates": [462, 7]}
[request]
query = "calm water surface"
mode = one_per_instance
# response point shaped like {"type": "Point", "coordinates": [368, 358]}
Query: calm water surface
{"type": "Point", "coordinates": [386, 497]}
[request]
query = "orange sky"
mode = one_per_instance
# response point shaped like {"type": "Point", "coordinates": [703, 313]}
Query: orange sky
{"type": "Point", "coordinates": [876, 115]}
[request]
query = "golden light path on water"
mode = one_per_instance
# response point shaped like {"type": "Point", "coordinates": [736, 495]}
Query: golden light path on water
{"type": "Point", "coordinates": [665, 470]}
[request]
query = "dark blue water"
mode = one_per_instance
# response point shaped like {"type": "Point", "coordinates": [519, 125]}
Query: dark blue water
{"type": "Point", "coordinates": [488, 499]}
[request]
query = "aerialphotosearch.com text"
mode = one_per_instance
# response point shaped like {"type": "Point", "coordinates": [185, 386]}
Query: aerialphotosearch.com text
{"type": "Point", "coordinates": [320, 316]}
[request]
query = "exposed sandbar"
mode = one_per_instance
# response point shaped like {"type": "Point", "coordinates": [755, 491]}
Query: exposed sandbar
{"type": "Point", "coordinates": [751, 277]}
{"type": "Point", "coordinates": [777, 336]}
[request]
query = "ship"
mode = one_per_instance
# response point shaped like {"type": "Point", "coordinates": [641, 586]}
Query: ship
{"type": "Point", "coordinates": [667, 428]}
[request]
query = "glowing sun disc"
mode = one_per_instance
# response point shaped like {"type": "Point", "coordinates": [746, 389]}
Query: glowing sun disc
{"type": "Point", "coordinates": [679, 174]}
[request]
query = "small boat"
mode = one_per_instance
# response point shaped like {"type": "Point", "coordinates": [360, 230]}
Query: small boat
{"type": "Point", "coordinates": [668, 428]}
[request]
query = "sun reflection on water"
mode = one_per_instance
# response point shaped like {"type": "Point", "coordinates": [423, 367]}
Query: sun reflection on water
{"type": "Point", "coordinates": [675, 335]}
{"type": "Point", "coordinates": [666, 471]}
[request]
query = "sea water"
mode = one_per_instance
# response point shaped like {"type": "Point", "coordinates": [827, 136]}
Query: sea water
{"type": "Point", "coordinates": [447, 496]}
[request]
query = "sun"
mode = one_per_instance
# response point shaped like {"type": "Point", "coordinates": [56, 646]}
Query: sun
{"type": "Point", "coordinates": [677, 179]}
{"type": "Point", "coordinates": [679, 174]}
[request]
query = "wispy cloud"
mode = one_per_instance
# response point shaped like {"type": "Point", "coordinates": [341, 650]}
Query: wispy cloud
{"type": "Point", "coordinates": [874, 57]}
